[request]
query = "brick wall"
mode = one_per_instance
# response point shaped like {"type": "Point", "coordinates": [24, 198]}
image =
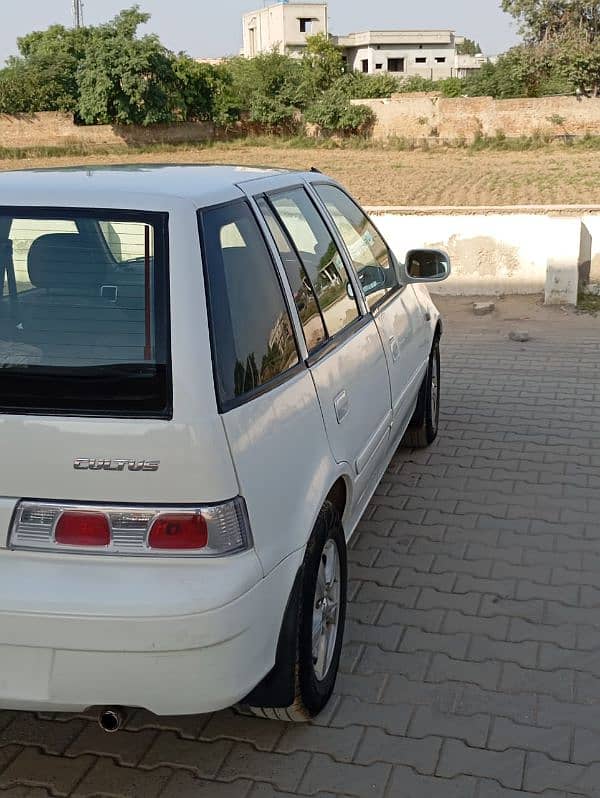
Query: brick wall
{"type": "Point", "coordinates": [49, 129]}
{"type": "Point", "coordinates": [419, 116]}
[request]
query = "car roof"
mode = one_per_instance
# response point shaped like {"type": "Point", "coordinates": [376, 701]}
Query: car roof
{"type": "Point", "coordinates": [198, 183]}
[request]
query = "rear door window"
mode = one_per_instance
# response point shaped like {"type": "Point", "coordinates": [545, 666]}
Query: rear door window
{"type": "Point", "coordinates": [251, 330]}
{"type": "Point", "coordinates": [83, 331]}
{"type": "Point", "coordinates": [320, 257]}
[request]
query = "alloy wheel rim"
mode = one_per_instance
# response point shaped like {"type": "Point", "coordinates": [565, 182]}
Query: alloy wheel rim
{"type": "Point", "coordinates": [326, 610]}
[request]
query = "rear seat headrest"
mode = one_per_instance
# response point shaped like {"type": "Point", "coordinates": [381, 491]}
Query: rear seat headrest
{"type": "Point", "coordinates": [66, 261]}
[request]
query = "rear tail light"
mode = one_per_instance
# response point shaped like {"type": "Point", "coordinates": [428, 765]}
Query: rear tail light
{"type": "Point", "coordinates": [82, 529]}
{"type": "Point", "coordinates": [206, 531]}
{"type": "Point", "coordinates": [178, 531]}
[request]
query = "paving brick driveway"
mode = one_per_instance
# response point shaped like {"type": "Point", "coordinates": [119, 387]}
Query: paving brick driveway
{"type": "Point", "coordinates": [472, 665]}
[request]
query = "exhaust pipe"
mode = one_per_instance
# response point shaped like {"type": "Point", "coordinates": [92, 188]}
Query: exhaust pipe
{"type": "Point", "coordinates": [111, 719]}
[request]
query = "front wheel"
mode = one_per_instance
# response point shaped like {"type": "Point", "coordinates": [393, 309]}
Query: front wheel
{"type": "Point", "coordinates": [321, 620]}
{"type": "Point", "coordinates": [423, 428]}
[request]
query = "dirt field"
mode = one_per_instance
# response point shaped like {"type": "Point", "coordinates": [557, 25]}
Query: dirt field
{"type": "Point", "coordinates": [551, 176]}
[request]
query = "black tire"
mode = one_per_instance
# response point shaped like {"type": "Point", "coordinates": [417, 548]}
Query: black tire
{"type": "Point", "coordinates": [423, 428]}
{"type": "Point", "coordinates": [311, 692]}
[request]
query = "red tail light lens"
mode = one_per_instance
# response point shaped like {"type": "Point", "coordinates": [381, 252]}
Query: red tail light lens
{"type": "Point", "coordinates": [82, 529]}
{"type": "Point", "coordinates": [178, 531]}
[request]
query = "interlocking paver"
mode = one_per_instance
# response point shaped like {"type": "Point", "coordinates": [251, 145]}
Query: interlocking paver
{"type": "Point", "coordinates": [172, 751]}
{"type": "Point", "coordinates": [186, 785]}
{"type": "Point", "coordinates": [378, 746]}
{"type": "Point", "coordinates": [339, 743]}
{"type": "Point", "coordinates": [428, 721]}
{"type": "Point", "coordinates": [356, 780]}
{"type": "Point", "coordinates": [505, 767]}
{"type": "Point", "coordinates": [283, 771]}
{"type": "Point", "coordinates": [107, 778]}
{"type": "Point", "coordinates": [58, 774]}
{"type": "Point", "coordinates": [484, 648]}
{"type": "Point", "coordinates": [54, 738]}
{"type": "Point", "coordinates": [406, 783]}
{"type": "Point", "coordinates": [393, 718]}
{"type": "Point", "coordinates": [127, 747]}
{"type": "Point", "coordinates": [484, 674]}
{"type": "Point", "coordinates": [555, 742]}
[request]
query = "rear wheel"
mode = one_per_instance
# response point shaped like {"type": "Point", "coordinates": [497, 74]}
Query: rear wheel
{"type": "Point", "coordinates": [321, 619]}
{"type": "Point", "coordinates": [424, 426]}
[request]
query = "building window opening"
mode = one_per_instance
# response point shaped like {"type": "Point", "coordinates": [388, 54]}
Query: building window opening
{"type": "Point", "coordinates": [441, 60]}
{"type": "Point", "coordinates": [395, 65]}
{"type": "Point", "coordinates": [378, 66]}
{"type": "Point", "coordinates": [306, 24]}
{"type": "Point", "coordinates": [421, 60]}
{"type": "Point", "coordinates": [365, 65]}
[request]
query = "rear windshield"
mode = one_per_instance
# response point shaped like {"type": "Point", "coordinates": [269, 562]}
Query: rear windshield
{"type": "Point", "coordinates": [83, 312]}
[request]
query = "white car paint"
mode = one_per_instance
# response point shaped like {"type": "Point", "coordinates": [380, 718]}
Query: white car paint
{"type": "Point", "coordinates": [191, 635]}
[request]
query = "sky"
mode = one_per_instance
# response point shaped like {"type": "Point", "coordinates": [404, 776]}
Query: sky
{"type": "Point", "coordinates": [189, 24]}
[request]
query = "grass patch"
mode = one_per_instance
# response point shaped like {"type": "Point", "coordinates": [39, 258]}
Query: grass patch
{"type": "Point", "coordinates": [482, 144]}
{"type": "Point", "coordinates": [588, 303]}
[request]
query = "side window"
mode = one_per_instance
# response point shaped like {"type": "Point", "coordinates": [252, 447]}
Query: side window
{"type": "Point", "coordinates": [320, 257]}
{"type": "Point", "coordinates": [251, 330]}
{"type": "Point", "coordinates": [368, 250]}
{"type": "Point", "coordinates": [304, 297]}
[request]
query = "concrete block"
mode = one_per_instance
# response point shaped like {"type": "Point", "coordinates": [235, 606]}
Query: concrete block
{"type": "Point", "coordinates": [569, 247]}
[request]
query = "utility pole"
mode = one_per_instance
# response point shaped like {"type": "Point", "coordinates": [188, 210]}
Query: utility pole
{"type": "Point", "coordinates": [77, 6]}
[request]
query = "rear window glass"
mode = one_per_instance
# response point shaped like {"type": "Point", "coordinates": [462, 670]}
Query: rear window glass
{"type": "Point", "coordinates": [251, 331]}
{"type": "Point", "coordinates": [83, 312]}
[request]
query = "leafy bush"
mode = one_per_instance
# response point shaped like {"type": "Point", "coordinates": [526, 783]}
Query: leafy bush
{"type": "Point", "coordinates": [335, 113]}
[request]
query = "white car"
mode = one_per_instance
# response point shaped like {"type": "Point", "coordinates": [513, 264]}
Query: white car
{"type": "Point", "coordinates": [204, 373]}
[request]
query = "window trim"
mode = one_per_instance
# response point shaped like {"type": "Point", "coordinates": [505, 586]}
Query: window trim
{"type": "Point", "coordinates": [399, 289]}
{"type": "Point", "coordinates": [297, 254]}
{"type": "Point", "coordinates": [162, 291]}
{"type": "Point", "coordinates": [224, 406]}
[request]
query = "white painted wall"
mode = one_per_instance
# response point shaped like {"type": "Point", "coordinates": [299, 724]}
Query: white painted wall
{"type": "Point", "coordinates": [495, 253]}
{"type": "Point", "coordinates": [592, 223]}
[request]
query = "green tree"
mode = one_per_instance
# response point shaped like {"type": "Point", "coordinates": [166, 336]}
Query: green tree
{"type": "Point", "coordinates": [196, 88]}
{"type": "Point", "coordinates": [543, 20]}
{"type": "Point", "coordinates": [127, 80]}
{"type": "Point", "coordinates": [321, 66]}
{"type": "Point", "coordinates": [43, 77]}
{"type": "Point", "coordinates": [363, 86]}
{"type": "Point", "coordinates": [334, 112]}
{"type": "Point", "coordinates": [566, 35]}
{"type": "Point", "coordinates": [468, 47]}
{"type": "Point", "coordinates": [265, 88]}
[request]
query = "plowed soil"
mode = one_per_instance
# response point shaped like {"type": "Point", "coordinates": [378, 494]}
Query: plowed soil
{"type": "Point", "coordinates": [556, 175]}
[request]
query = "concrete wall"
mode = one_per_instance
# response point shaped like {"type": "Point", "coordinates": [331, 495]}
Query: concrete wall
{"type": "Point", "coordinates": [493, 253]}
{"type": "Point", "coordinates": [592, 224]}
{"type": "Point", "coordinates": [49, 129]}
{"type": "Point", "coordinates": [418, 116]}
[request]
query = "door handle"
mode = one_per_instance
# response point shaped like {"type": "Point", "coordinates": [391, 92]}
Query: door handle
{"type": "Point", "coordinates": [341, 404]}
{"type": "Point", "coordinates": [395, 348]}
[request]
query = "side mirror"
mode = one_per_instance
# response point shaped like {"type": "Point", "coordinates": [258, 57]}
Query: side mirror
{"type": "Point", "coordinates": [427, 266]}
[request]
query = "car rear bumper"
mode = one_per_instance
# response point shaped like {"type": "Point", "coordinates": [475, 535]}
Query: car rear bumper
{"type": "Point", "coordinates": [149, 650]}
